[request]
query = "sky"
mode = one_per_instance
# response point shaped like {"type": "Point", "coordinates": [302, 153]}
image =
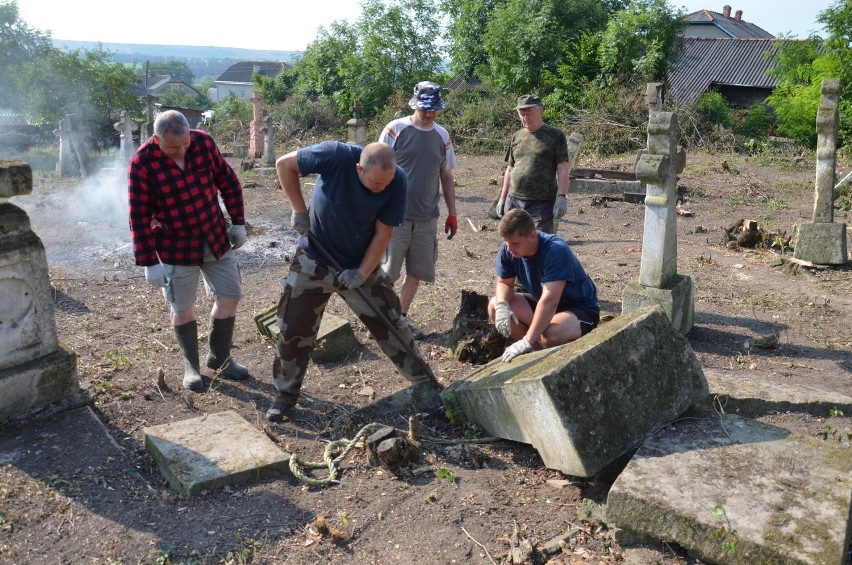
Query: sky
{"type": "Point", "coordinates": [289, 25]}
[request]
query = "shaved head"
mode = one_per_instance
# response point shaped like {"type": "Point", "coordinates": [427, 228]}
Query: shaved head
{"type": "Point", "coordinates": [379, 154]}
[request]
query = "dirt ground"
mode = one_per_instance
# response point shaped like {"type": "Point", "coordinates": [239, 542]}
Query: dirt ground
{"type": "Point", "coordinates": [72, 502]}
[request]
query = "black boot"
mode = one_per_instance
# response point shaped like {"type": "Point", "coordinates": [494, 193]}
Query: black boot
{"type": "Point", "coordinates": [187, 338]}
{"type": "Point", "coordinates": [219, 358]}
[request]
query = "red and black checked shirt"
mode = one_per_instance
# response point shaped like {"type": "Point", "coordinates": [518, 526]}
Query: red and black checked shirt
{"type": "Point", "coordinates": [174, 212]}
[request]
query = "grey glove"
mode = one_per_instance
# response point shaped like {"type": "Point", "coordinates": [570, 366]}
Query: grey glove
{"type": "Point", "coordinates": [237, 235]}
{"type": "Point", "coordinates": [503, 318]}
{"type": "Point", "coordinates": [155, 275]}
{"type": "Point", "coordinates": [301, 222]}
{"type": "Point", "coordinates": [351, 278]}
{"type": "Point", "coordinates": [518, 348]}
{"type": "Point", "coordinates": [499, 209]}
{"type": "Point", "coordinates": [560, 207]}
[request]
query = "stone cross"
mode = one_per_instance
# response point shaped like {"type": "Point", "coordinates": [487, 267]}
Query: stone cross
{"type": "Point", "coordinates": [823, 242]}
{"type": "Point", "coordinates": [826, 126]}
{"type": "Point", "coordinates": [256, 135]}
{"type": "Point", "coordinates": [126, 127]}
{"type": "Point", "coordinates": [72, 148]}
{"type": "Point", "coordinates": [658, 167]}
{"type": "Point", "coordinates": [269, 142]}
{"type": "Point", "coordinates": [357, 127]}
{"type": "Point", "coordinates": [37, 371]}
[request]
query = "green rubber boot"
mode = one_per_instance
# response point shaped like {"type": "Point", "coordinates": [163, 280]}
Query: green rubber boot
{"type": "Point", "coordinates": [219, 358]}
{"type": "Point", "coordinates": [187, 338]}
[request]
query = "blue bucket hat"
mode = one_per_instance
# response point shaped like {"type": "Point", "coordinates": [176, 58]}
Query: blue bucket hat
{"type": "Point", "coordinates": [427, 96]}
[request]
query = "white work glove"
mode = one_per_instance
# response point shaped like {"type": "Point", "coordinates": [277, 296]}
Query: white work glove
{"type": "Point", "coordinates": [155, 275]}
{"type": "Point", "coordinates": [518, 348]}
{"type": "Point", "coordinates": [499, 209]}
{"type": "Point", "coordinates": [351, 278]}
{"type": "Point", "coordinates": [503, 318]}
{"type": "Point", "coordinates": [300, 222]}
{"type": "Point", "coordinates": [560, 207]}
{"type": "Point", "coordinates": [237, 235]}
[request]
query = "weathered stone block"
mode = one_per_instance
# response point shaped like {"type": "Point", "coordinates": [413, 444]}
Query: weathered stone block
{"type": "Point", "coordinates": [676, 299]}
{"type": "Point", "coordinates": [584, 404]}
{"type": "Point", "coordinates": [212, 451]}
{"type": "Point", "coordinates": [335, 339]}
{"type": "Point", "coordinates": [822, 244]}
{"type": "Point", "coordinates": [40, 386]}
{"type": "Point", "coordinates": [16, 178]}
{"type": "Point", "coordinates": [785, 497]}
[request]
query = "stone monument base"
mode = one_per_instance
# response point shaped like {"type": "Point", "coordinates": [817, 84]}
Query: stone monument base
{"type": "Point", "coordinates": [677, 301]}
{"type": "Point", "coordinates": [40, 386]}
{"type": "Point", "coordinates": [821, 244]}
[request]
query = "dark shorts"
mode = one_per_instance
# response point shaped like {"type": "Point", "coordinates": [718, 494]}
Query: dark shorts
{"type": "Point", "coordinates": [589, 317]}
{"type": "Point", "coordinates": [540, 210]}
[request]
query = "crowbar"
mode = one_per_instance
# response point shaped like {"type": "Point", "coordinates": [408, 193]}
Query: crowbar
{"type": "Point", "coordinates": [382, 318]}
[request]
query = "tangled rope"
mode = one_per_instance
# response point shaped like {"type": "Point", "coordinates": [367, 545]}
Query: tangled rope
{"type": "Point", "coordinates": [330, 461]}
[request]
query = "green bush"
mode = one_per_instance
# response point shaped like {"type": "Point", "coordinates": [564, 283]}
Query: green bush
{"type": "Point", "coordinates": [757, 123]}
{"type": "Point", "coordinates": [712, 109]}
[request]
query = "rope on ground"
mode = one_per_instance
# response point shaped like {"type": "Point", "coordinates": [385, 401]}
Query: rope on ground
{"type": "Point", "coordinates": [330, 461]}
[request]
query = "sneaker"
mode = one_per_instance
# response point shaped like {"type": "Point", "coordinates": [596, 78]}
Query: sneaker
{"type": "Point", "coordinates": [279, 409]}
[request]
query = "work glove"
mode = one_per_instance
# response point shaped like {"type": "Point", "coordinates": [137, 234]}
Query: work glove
{"type": "Point", "coordinates": [499, 209]}
{"type": "Point", "coordinates": [301, 222]}
{"type": "Point", "coordinates": [560, 207]}
{"type": "Point", "coordinates": [237, 235]}
{"type": "Point", "coordinates": [155, 275]}
{"type": "Point", "coordinates": [451, 226]}
{"type": "Point", "coordinates": [518, 348]}
{"type": "Point", "coordinates": [351, 278]}
{"type": "Point", "coordinates": [503, 318]}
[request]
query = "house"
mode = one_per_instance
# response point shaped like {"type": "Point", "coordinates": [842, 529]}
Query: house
{"type": "Point", "coordinates": [706, 23]}
{"type": "Point", "coordinates": [158, 85]}
{"type": "Point", "coordinates": [236, 79]}
{"type": "Point", "coordinates": [726, 54]}
{"type": "Point", "coordinates": [736, 68]}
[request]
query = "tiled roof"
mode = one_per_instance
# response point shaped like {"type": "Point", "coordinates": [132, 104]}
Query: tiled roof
{"type": "Point", "coordinates": [702, 62]}
{"type": "Point", "coordinates": [730, 26]}
{"type": "Point", "coordinates": [10, 118]}
{"type": "Point", "coordinates": [242, 71]}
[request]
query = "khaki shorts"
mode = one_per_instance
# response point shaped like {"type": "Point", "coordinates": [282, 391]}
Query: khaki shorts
{"type": "Point", "coordinates": [416, 243]}
{"type": "Point", "coordinates": [221, 278]}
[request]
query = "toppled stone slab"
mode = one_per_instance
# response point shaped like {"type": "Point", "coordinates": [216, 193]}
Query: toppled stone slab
{"type": "Point", "coordinates": [744, 394]}
{"type": "Point", "coordinates": [584, 404]}
{"type": "Point", "coordinates": [780, 497]}
{"type": "Point", "coordinates": [335, 338]}
{"type": "Point", "coordinates": [212, 451]}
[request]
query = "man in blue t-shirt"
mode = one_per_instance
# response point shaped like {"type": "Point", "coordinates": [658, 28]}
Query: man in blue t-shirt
{"type": "Point", "coordinates": [359, 197]}
{"type": "Point", "coordinates": [561, 302]}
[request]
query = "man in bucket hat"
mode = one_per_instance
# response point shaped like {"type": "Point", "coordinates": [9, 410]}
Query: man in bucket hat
{"type": "Point", "coordinates": [536, 177]}
{"type": "Point", "coordinates": [425, 152]}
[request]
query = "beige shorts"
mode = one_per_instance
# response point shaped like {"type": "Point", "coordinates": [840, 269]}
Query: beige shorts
{"type": "Point", "coordinates": [221, 278]}
{"type": "Point", "coordinates": [416, 243]}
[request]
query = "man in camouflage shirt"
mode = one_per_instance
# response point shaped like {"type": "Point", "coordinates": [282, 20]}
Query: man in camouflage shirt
{"type": "Point", "coordinates": [536, 177]}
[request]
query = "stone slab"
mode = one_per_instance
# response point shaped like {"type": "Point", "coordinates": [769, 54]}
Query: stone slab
{"type": "Point", "coordinates": [605, 186]}
{"type": "Point", "coordinates": [745, 394]}
{"type": "Point", "coordinates": [584, 404]}
{"type": "Point", "coordinates": [786, 497]}
{"type": "Point", "coordinates": [335, 338]}
{"type": "Point", "coordinates": [822, 244]}
{"type": "Point", "coordinates": [212, 451]}
{"type": "Point", "coordinates": [423, 396]}
{"type": "Point", "coordinates": [677, 300]}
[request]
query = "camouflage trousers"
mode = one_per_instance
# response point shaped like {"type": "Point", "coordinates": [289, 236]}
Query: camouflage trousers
{"type": "Point", "coordinates": [307, 289]}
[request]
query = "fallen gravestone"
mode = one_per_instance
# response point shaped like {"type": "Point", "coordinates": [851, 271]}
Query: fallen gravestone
{"type": "Point", "coordinates": [584, 404]}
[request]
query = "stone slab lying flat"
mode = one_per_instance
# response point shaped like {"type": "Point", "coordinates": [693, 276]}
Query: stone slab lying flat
{"type": "Point", "coordinates": [584, 404]}
{"type": "Point", "coordinates": [212, 451]}
{"type": "Point", "coordinates": [786, 497]}
{"type": "Point", "coordinates": [746, 394]}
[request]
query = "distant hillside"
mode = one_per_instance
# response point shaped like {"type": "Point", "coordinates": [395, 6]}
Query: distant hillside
{"type": "Point", "coordinates": [203, 61]}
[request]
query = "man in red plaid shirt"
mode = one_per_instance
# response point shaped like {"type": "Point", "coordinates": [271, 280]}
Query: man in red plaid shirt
{"type": "Point", "coordinates": [179, 232]}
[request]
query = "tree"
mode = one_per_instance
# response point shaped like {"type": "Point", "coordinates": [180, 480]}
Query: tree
{"type": "Point", "coordinates": [640, 42]}
{"type": "Point", "coordinates": [19, 45]}
{"type": "Point", "coordinates": [526, 40]}
{"type": "Point", "coordinates": [468, 21]}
